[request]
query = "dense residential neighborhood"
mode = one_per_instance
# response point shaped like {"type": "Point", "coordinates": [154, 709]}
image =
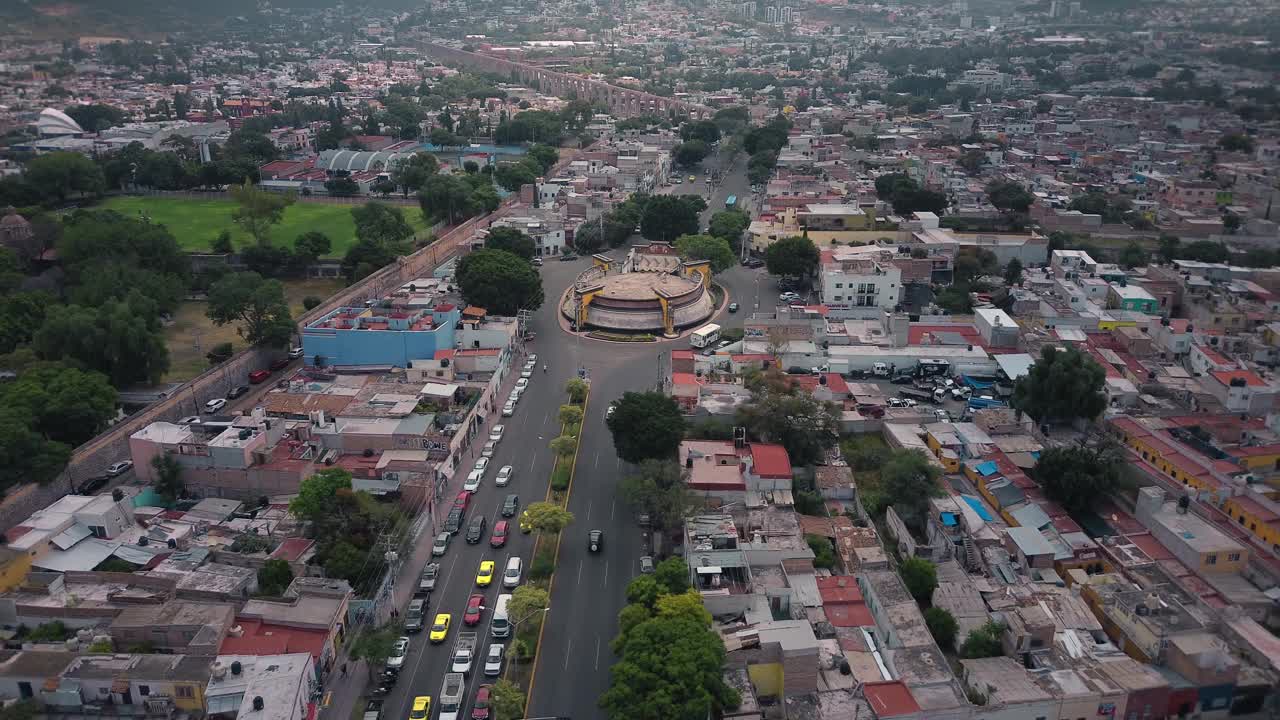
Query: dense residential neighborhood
{"type": "Point", "coordinates": [646, 361]}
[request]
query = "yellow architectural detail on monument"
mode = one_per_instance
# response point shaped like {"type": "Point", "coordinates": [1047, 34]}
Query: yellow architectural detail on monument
{"type": "Point", "coordinates": [701, 268]}
{"type": "Point", "coordinates": [668, 323]}
{"type": "Point", "coordinates": [583, 302]}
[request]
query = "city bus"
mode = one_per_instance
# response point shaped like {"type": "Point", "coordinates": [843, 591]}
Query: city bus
{"type": "Point", "coordinates": [731, 202]}
{"type": "Point", "coordinates": [705, 336]}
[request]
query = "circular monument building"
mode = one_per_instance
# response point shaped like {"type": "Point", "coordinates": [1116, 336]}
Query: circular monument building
{"type": "Point", "coordinates": [651, 291]}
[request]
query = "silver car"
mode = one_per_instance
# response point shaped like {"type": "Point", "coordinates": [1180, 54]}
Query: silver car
{"type": "Point", "coordinates": [493, 660]}
{"type": "Point", "coordinates": [441, 544]}
{"type": "Point", "coordinates": [504, 475]}
{"type": "Point", "coordinates": [490, 448]}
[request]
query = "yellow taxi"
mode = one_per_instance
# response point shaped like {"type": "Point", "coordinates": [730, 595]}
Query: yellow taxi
{"type": "Point", "coordinates": [421, 708]}
{"type": "Point", "coordinates": [693, 178]}
{"type": "Point", "coordinates": [440, 628]}
{"type": "Point", "coordinates": [526, 526]}
{"type": "Point", "coordinates": [485, 576]}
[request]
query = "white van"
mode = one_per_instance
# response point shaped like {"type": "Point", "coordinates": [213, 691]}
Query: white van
{"type": "Point", "coordinates": [501, 625]}
{"type": "Point", "coordinates": [514, 573]}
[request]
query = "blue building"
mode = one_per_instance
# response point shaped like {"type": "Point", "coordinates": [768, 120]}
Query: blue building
{"type": "Point", "coordinates": [379, 335]}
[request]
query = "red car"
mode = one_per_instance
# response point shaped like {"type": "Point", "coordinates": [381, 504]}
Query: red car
{"type": "Point", "coordinates": [480, 709]}
{"type": "Point", "coordinates": [258, 376]}
{"type": "Point", "coordinates": [463, 499]}
{"type": "Point", "coordinates": [498, 537]}
{"type": "Point", "coordinates": [475, 607]}
{"type": "Point", "coordinates": [280, 364]}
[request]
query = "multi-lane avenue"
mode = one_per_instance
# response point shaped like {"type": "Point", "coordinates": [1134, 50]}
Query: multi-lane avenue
{"type": "Point", "coordinates": [572, 668]}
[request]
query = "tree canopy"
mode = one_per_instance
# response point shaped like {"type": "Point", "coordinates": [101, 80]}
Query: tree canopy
{"type": "Point", "coordinates": [256, 304]}
{"type": "Point", "coordinates": [706, 247]}
{"type": "Point", "coordinates": [258, 210]}
{"type": "Point", "coordinates": [1009, 196]}
{"type": "Point", "coordinates": [1061, 385]}
{"type": "Point", "coordinates": [1076, 477]}
{"type": "Point", "coordinates": [792, 257]}
{"type": "Point", "coordinates": [546, 517]}
{"type": "Point", "coordinates": [511, 240]}
{"type": "Point", "coordinates": [667, 217]}
{"type": "Point", "coordinates": [670, 668]}
{"type": "Point", "coordinates": [908, 479]}
{"type": "Point", "coordinates": [781, 413]}
{"type": "Point", "coordinates": [499, 281]}
{"type": "Point", "coordinates": [646, 425]}
{"type": "Point", "coordinates": [658, 489]}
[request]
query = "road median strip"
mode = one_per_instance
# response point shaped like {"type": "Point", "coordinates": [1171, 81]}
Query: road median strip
{"type": "Point", "coordinates": [553, 495]}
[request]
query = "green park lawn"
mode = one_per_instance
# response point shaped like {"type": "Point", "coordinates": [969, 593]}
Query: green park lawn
{"type": "Point", "coordinates": [195, 223]}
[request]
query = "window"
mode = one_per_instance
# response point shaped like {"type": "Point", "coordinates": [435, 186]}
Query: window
{"type": "Point", "coordinates": [1211, 560]}
{"type": "Point", "coordinates": [98, 531]}
{"type": "Point", "coordinates": [839, 285]}
{"type": "Point", "coordinates": [144, 689]}
{"type": "Point", "coordinates": [183, 691]}
{"type": "Point", "coordinates": [24, 689]}
{"type": "Point", "coordinates": [839, 298]}
{"type": "Point", "coordinates": [1233, 557]}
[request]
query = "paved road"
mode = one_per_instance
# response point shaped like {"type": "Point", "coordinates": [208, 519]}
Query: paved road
{"type": "Point", "coordinates": [524, 446]}
{"type": "Point", "coordinates": [589, 587]}
{"type": "Point", "coordinates": [589, 591]}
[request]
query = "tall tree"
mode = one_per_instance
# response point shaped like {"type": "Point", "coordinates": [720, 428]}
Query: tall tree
{"type": "Point", "coordinates": [908, 479]}
{"type": "Point", "coordinates": [258, 210]}
{"type": "Point", "coordinates": [805, 426]}
{"type": "Point", "coordinates": [256, 304]}
{"type": "Point", "coordinates": [1062, 385]}
{"type": "Point", "coordinates": [168, 477]}
{"type": "Point", "coordinates": [667, 217]}
{"type": "Point", "coordinates": [706, 247]}
{"type": "Point", "coordinates": [646, 425]}
{"type": "Point", "coordinates": [670, 668]}
{"type": "Point", "coordinates": [795, 257]}
{"type": "Point", "coordinates": [58, 175]}
{"type": "Point", "coordinates": [448, 198]}
{"type": "Point", "coordinates": [499, 281]}
{"type": "Point", "coordinates": [382, 224]}
{"type": "Point", "coordinates": [1078, 477]}
{"type": "Point", "coordinates": [658, 489]}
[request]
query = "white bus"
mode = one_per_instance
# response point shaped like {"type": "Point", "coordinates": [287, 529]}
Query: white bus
{"type": "Point", "coordinates": [705, 336]}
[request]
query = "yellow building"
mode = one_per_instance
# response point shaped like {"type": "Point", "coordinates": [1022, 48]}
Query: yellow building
{"type": "Point", "coordinates": [14, 566]}
{"type": "Point", "coordinates": [823, 224]}
{"type": "Point", "coordinates": [1255, 517]}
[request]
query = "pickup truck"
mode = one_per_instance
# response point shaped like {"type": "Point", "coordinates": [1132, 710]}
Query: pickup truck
{"type": "Point", "coordinates": [451, 692]}
{"type": "Point", "coordinates": [464, 652]}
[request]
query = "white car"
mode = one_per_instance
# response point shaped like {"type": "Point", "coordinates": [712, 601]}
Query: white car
{"type": "Point", "coordinates": [514, 572]}
{"type": "Point", "coordinates": [608, 412]}
{"type": "Point", "coordinates": [482, 464]}
{"type": "Point", "coordinates": [473, 481]}
{"type": "Point", "coordinates": [509, 409]}
{"type": "Point", "coordinates": [190, 420]}
{"type": "Point", "coordinates": [504, 476]}
{"type": "Point", "coordinates": [490, 448]}
{"type": "Point", "coordinates": [527, 372]}
{"type": "Point", "coordinates": [514, 396]}
{"type": "Point", "coordinates": [532, 359]}
{"type": "Point", "coordinates": [495, 433]}
{"type": "Point", "coordinates": [215, 405]}
{"type": "Point", "coordinates": [522, 383]}
{"type": "Point", "coordinates": [398, 653]}
{"type": "Point", "coordinates": [493, 660]}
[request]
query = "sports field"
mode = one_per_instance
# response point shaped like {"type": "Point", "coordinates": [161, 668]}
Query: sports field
{"type": "Point", "coordinates": [195, 223]}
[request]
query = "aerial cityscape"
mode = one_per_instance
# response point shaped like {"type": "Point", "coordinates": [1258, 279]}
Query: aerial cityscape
{"type": "Point", "coordinates": [640, 359]}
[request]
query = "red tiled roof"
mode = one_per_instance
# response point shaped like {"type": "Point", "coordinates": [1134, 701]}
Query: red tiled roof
{"type": "Point", "coordinates": [837, 383]}
{"type": "Point", "coordinates": [770, 461]}
{"type": "Point", "coordinates": [478, 352]}
{"type": "Point", "coordinates": [1214, 356]}
{"type": "Point", "coordinates": [890, 699]}
{"type": "Point", "coordinates": [264, 639]}
{"type": "Point", "coordinates": [1250, 378]}
{"type": "Point", "coordinates": [1148, 544]}
{"type": "Point", "coordinates": [292, 549]}
{"type": "Point", "coordinates": [683, 378]}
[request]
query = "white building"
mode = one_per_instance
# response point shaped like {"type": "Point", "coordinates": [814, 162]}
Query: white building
{"type": "Point", "coordinates": [547, 234]}
{"type": "Point", "coordinates": [860, 287]}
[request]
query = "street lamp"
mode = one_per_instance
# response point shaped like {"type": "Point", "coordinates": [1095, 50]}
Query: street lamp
{"type": "Point", "coordinates": [515, 633]}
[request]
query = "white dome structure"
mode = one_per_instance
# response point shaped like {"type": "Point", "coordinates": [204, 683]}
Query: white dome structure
{"type": "Point", "coordinates": [55, 122]}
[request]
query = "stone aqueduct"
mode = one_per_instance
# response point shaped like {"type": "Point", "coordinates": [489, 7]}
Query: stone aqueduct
{"type": "Point", "coordinates": [622, 102]}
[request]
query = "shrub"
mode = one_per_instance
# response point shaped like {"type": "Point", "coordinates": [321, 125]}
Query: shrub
{"type": "Point", "coordinates": [824, 556]}
{"type": "Point", "coordinates": [943, 626]}
{"type": "Point", "coordinates": [921, 578]}
{"type": "Point", "coordinates": [983, 642]}
{"type": "Point", "coordinates": [311, 302]}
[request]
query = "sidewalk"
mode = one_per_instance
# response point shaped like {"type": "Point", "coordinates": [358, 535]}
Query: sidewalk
{"type": "Point", "coordinates": [345, 693]}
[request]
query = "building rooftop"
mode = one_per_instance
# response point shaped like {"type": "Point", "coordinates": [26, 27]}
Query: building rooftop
{"type": "Point", "coordinates": [890, 699]}
{"type": "Point", "coordinates": [1003, 680]}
